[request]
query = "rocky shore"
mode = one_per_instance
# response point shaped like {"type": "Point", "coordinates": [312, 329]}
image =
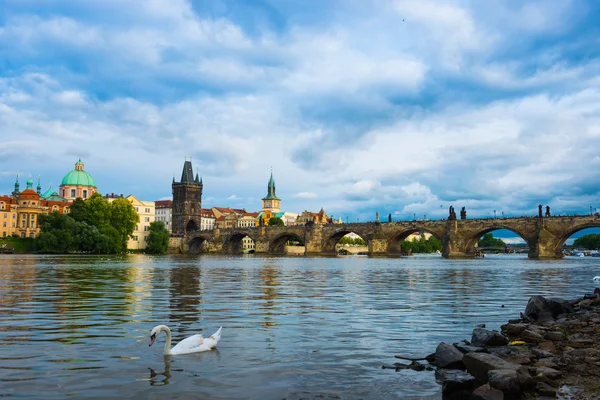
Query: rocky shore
{"type": "Point", "coordinates": [551, 351]}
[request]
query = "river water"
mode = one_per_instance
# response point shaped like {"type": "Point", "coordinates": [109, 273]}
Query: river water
{"type": "Point", "coordinates": [292, 327]}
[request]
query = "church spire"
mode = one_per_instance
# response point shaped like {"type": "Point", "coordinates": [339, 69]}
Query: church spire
{"type": "Point", "coordinates": [39, 187]}
{"type": "Point", "coordinates": [17, 184]}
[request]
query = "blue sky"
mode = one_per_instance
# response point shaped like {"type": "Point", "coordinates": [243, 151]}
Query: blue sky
{"type": "Point", "coordinates": [402, 107]}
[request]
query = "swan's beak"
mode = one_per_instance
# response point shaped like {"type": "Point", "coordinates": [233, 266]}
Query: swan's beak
{"type": "Point", "coordinates": [152, 338]}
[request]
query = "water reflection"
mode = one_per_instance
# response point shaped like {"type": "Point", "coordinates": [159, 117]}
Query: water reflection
{"type": "Point", "coordinates": [79, 325]}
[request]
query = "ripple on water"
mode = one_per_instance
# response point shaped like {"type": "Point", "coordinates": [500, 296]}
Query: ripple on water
{"type": "Point", "coordinates": [291, 326]}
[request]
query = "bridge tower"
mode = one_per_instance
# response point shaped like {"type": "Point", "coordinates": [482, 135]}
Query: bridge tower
{"type": "Point", "coordinates": [187, 201]}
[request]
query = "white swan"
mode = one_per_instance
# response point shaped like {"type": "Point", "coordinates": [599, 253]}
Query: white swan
{"type": "Point", "coordinates": [596, 278]}
{"type": "Point", "coordinates": [193, 344]}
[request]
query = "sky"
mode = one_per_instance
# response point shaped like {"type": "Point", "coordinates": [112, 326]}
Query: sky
{"type": "Point", "coordinates": [358, 106]}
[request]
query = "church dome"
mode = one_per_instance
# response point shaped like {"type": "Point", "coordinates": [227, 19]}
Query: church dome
{"type": "Point", "coordinates": [78, 177]}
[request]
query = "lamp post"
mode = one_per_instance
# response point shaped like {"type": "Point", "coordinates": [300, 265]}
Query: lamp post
{"type": "Point", "coordinates": [424, 217]}
{"type": "Point", "coordinates": [502, 214]}
{"type": "Point", "coordinates": [590, 210]}
{"type": "Point", "coordinates": [346, 219]}
{"type": "Point", "coordinates": [494, 214]}
{"type": "Point", "coordinates": [414, 216]}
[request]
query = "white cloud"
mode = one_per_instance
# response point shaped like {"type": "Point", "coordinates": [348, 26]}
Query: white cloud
{"type": "Point", "coordinates": [305, 195]}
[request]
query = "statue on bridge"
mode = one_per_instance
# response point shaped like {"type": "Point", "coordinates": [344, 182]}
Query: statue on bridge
{"type": "Point", "coordinates": [540, 211]}
{"type": "Point", "coordinates": [463, 213]}
{"type": "Point", "coordinates": [390, 217]}
{"type": "Point", "coordinates": [547, 211]}
{"type": "Point", "coordinates": [377, 217]}
{"type": "Point", "coordinates": [452, 214]}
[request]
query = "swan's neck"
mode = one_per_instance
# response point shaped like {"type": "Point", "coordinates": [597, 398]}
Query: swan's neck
{"type": "Point", "coordinates": [168, 342]}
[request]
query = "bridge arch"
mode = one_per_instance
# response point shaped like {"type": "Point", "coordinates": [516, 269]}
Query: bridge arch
{"type": "Point", "coordinates": [277, 244]}
{"type": "Point", "coordinates": [396, 238]}
{"type": "Point", "coordinates": [329, 243]}
{"type": "Point", "coordinates": [198, 244]}
{"type": "Point", "coordinates": [233, 243]}
{"type": "Point", "coordinates": [472, 241]}
{"type": "Point", "coordinates": [560, 240]}
{"type": "Point", "coordinates": [191, 226]}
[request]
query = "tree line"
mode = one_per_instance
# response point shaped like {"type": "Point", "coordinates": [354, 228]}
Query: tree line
{"type": "Point", "coordinates": [96, 226]}
{"type": "Point", "coordinates": [589, 242]}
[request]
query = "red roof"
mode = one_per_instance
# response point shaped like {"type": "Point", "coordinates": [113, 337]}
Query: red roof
{"type": "Point", "coordinates": [250, 214]}
{"type": "Point", "coordinates": [163, 203]}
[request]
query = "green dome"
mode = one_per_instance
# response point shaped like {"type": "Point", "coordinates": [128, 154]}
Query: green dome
{"type": "Point", "coordinates": [78, 178]}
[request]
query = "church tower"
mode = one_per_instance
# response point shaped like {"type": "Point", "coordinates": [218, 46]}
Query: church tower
{"type": "Point", "coordinates": [187, 200]}
{"type": "Point", "coordinates": [271, 202]}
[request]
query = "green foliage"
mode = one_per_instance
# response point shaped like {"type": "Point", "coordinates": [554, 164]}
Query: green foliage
{"type": "Point", "coordinates": [352, 241]}
{"type": "Point", "coordinates": [488, 240]}
{"type": "Point", "coordinates": [276, 221]}
{"type": "Point", "coordinates": [158, 238]}
{"type": "Point", "coordinates": [94, 226]}
{"type": "Point", "coordinates": [18, 244]}
{"type": "Point", "coordinates": [421, 245]}
{"type": "Point", "coordinates": [590, 241]}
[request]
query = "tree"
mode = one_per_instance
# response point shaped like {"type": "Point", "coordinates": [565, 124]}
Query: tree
{"type": "Point", "coordinates": [124, 219]}
{"type": "Point", "coordinates": [488, 240]}
{"type": "Point", "coordinates": [276, 221]}
{"type": "Point", "coordinates": [97, 211]}
{"type": "Point", "coordinates": [158, 238]}
{"type": "Point", "coordinates": [590, 241]}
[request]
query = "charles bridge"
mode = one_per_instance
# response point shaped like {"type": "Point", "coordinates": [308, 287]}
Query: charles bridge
{"type": "Point", "coordinates": [545, 236]}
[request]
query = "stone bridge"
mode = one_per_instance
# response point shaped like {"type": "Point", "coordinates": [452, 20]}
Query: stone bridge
{"type": "Point", "coordinates": [544, 236]}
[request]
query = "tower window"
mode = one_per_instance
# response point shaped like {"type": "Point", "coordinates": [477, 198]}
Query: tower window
{"type": "Point", "coordinates": [85, 194]}
{"type": "Point", "coordinates": [72, 192]}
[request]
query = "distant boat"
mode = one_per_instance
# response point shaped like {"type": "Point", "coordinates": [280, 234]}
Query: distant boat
{"type": "Point", "coordinates": [580, 255]}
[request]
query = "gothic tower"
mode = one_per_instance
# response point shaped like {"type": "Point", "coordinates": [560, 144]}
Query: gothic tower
{"type": "Point", "coordinates": [271, 202]}
{"type": "Point", "coordinates": [187, 200]}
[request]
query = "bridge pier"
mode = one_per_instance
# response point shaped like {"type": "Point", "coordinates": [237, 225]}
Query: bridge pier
{"type": "Point", "coordinates": [378, 246]}
{"type": "Point", "coordinates": [455, 245]}
{"type": "Point", "coordinates": [545, 246]}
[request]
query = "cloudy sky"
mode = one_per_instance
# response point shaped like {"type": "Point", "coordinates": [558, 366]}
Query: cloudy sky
{"type": "Point", "coordinates": [402, 107]}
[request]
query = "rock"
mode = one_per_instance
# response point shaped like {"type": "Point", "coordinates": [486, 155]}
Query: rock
{"type": "Point", "coordinates": [415, 366]}
{"type": "Point", "coordinates": [522, 360]}
{"type": "Point", "coordinates": [486, 392]}
{"type": "Point", "coordinates": [545, 390]}
{"type": "Point", "coordinates": [514, 321]}
{"type": "Point", "coordinates": [554, 336]}
{"type": "Point", "coordinates": [505, 380]}
{"type": "Point", "coordinates": [480, 326]}
{"type": "Point", "coordinates": [549, 372]}
{"type": "Point", "coordinates": [455, 383]}
{"type": "Point", "coordinates": [465, 348]}
{"type": "Point", "coordinates": [547, 346]}
{"type": "Point", "coordinates": [448, 356]}
{"type": "Point", "coordinates": [543, 378]}
{"type": "Point", "coordinates": [583, 353]}
{"type": "Point", "coordinates": [479, 364]}
{"type": "Point", "coordinates": [541, 309]}
{"type": "Point", "coordinates": [513, 330]}
{"type": "Point", "coordinates": [531, 336]}
{"type": "Point", "coordinates": [546, 362]}
{"type": "Point", "coordinates": [484, 337]}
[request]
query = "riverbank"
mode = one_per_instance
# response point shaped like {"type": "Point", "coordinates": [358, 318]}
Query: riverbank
{"type": "Point", "coordinates": [552, 351]}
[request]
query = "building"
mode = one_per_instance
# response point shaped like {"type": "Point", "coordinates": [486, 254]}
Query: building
{"type": "Point", "coordinates": [19, 213]}
{"type": "Point", "coordinates": [289, 218]}
{"type": "Point", "coordinates": [226, 217]}
{"type": "Point", "coordinates": [187, 201]}
{"type": "Point", "coordinates": [248, 245]}
{"type": "Point", "coordinates": [77, 183]}
{"type": "Point", "coordinates": [248, 220]}
{"type": "Point", "coordinates": [318, 218]}
{"type": "Point", "coordinates": [146, 211]}
{"type": "Point", "coordinates": [207, 220]}
{"type": "Point", "coordinates": [271, 202]}
{"type": "Point", "coordinates": [164, 212]}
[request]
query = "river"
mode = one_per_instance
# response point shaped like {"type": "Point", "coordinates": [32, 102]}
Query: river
{"type": "Point", "coordinates": [292, 327]}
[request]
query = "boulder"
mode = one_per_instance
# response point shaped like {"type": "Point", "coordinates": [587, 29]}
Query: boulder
{"type": "Point", "coordinates": [448, 356]}
{"type": "Point", "coordinates": [486, 392]}
{"type": "Point", "coordinates": [465, 348]}
{"type": "Point", "coordinates": [513, 330]}
{"type": "Point", "coordinates": [541, 309]}
{"type": "Point", "coordinates": [549, 372]}
{"type": "Point", "coordinates": [531, 336]}
{"type": "Point", "coordinates": [484, 337]}
{"type": "Point", "coordinates": [479, 364]}
{"type": "Point", "coordinates": [506, 380]}
{"type": "Point", "coordinates": [455, 383]}
{"type": "Point", "coordinates": [555, 336]}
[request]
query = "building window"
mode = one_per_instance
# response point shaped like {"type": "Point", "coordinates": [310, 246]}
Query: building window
{"type": "Point", "coordinates": [135, 238]}
{"type": "Point", "coordinates": [147, 219]}
{"type": "Point", "coordinates": [137, 209]}
{"type": "Point", "coordinates": [14, 216]}
{"type": "Point", "coordinates": [85, 194]}
{"type": "Point", "coordinates": [3, 234]}
{"type": "Point", "coordinates": [22, 234]}
{"type": "Point", "coordinates": [147, 210]}
{"type": "Point", "coordinates": [72, 192]}
{"type": "Point", "coordinates": [5, 224]}
{"type": "Point", "coordinates": [32, 235]}
{"type": "Point", "coordinates": [146, 228]}
{"type": "Point", "coordinates": [32, 224]}
{"type": "Point", "coordinates": [24, 224]}
{"type": "Point", "coordinates": [5, 215]}
{"type": "Point", "coordinates": [136, 228]}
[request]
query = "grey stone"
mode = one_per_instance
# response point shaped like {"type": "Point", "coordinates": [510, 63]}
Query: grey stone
{"type": "Point", "coordinates": [531, 336]}
{"type": "Point", "coordinates": [506, 380]}
{"type": "Point", "coordinates": [549, 372]}
{"type": "Point", "coordinates": [479, 364]}
{"type": "Point", "coordinates": [513, 330]}
{"type": "Point", "coordinates": [465, 348]}
{"type": "Point", "coordinates": [454, 380]}
{"type": "Point", "coordinates": [541, 353]}
{"type": "Point", "coordinates": [545, 390]}
{"type": "Point", "coordinates": [486, 392]}
{"type": "Point", "coordinates": [484, 337]}
{"type": "Point", "coordinates": [541, 309]}
{"type": "Point", "coordinates": [554, 336]}
{"type": "Point", "coordinates": [448, 356]}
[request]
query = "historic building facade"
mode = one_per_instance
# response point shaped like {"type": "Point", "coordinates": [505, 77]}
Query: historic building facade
{"type": "Point", "coordinates": [187, 201]}
{"type": "Point", "coordinates": [77, 183]}
{"type": "Point", "coordinates": [146, 211]}
{"type": "Point", "coordinates": [271, 202]}
{"type": "Point", "coordinates": [19, 213]}
{"type": "Point", "coordinates": [207, 221]}
{"type": "Point", "coordinates": [164, 212]}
